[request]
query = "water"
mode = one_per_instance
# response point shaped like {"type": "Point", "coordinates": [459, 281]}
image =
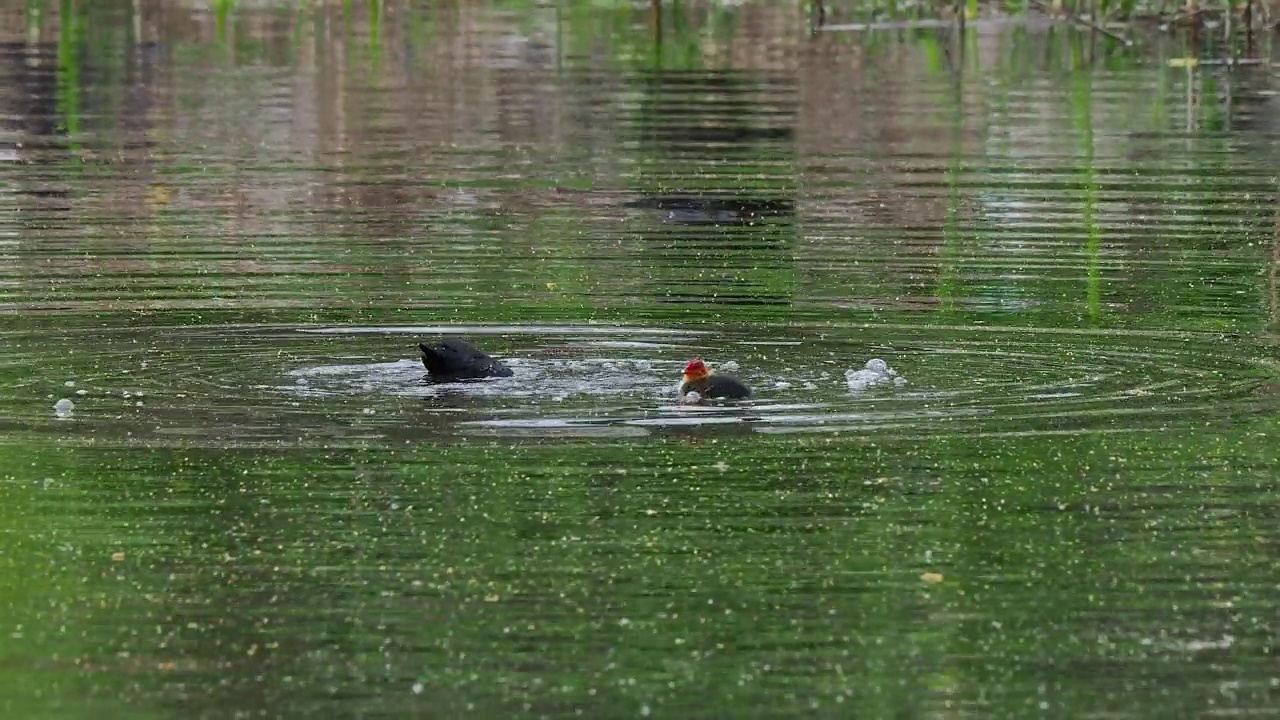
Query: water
{"type": "Point", "coordinates": [222, 238]}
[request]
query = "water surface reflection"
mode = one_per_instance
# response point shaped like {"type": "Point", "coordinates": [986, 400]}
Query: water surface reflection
{"type": "Point", "coordinates": [224, 231]}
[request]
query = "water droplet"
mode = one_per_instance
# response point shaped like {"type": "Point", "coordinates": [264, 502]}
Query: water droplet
{"type": "Point", "coordinates": [63, 407]}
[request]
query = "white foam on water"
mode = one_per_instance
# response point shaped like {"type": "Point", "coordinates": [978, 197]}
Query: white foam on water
{"type": "Point", "coordinates": [875, 372]}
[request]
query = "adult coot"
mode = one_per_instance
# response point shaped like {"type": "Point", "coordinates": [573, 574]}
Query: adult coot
{"type": "Point", "coordinates": [452, 360]}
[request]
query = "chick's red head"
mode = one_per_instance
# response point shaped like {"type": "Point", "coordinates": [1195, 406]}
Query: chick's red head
{"type": "Point", "coordinates": [695, 369]}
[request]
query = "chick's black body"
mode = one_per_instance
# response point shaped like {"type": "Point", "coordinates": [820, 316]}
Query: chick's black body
{"type": "Point", "coordinates": [451, 360]}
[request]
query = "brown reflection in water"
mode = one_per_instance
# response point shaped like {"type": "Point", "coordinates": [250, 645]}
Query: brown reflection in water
{"type": "Point", "coordinates": [265, 145]}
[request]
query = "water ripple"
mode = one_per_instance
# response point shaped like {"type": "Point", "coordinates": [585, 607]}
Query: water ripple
{"type": "Point", "coordinates": [252, 385]}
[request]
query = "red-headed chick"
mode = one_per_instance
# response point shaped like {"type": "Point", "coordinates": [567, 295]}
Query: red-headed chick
{"type": "Point", "coordinates": [697, 378]}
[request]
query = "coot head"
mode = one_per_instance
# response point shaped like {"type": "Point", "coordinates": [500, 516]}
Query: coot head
{"type": "Point", "coordinates": [695, 369]}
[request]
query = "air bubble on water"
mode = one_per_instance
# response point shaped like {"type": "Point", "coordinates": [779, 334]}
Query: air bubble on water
{"type": "Point", "coordinates": [692, 397]}
{"type": "Point", "coordinates": [82, 392]}
{"type": "Point", "coordinates": [730, 366]}
{"type": "Point", "coordinates": [417, 688]}
{"type": "Point", "coordinates": [860, 379]}
{"type": "Point", "coordinates": [69, 383]}
{"type": "Point", "coordinates": [63, 407]}
{"type": "Point", "coordinates": [368, 411]}
{"type": "Point", "coordinates": [876, 372]}
{"type": "Point", "coordinates": [781, 385]}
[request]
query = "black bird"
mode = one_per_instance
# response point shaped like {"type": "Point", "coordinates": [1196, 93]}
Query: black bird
{"type": "Point", "coordinates": [453, 360]}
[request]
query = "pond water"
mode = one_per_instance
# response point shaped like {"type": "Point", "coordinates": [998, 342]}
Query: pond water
{"type": "Point", "coordinates": [223, 234]}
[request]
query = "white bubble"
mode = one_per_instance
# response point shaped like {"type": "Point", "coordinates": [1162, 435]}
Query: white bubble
{"type": "Point", "coordinates": [876, 372]}
{"type": "Point", "coordinates": [368, 411]}
{"type": "Point", "coordinates": [63, 407]}
{"type": "Point", "coordinates": [860, 379]}
{"type": "Point", "coordinates": [69, 383]}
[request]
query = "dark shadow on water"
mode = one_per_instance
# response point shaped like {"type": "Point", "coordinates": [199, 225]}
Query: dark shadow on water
{"type": "Point", "coordinates": [717, 152]}
{"type": "Point", "coordinates": [716, 209]}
